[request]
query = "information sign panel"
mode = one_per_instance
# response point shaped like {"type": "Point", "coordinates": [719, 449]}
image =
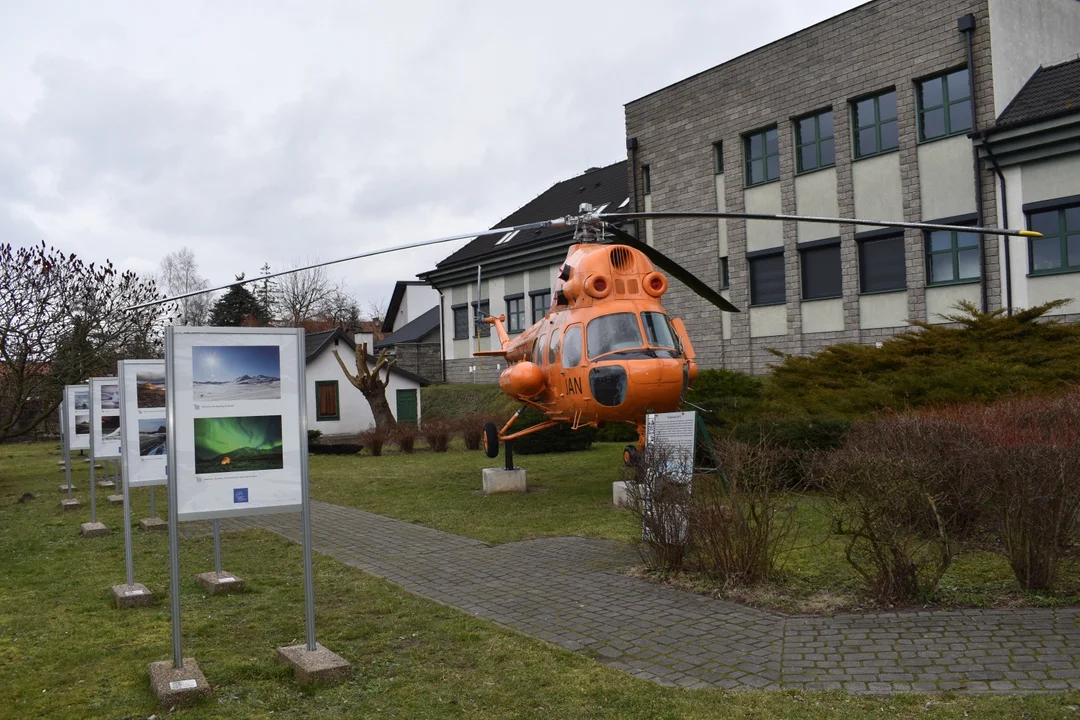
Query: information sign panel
{"type": "Point", "coordinates": [142, 421]}
{"type": "Point", "coordinates": [77, 432]}
{"type": "Point", "coordinates": [674, 431]}
{"type": "Point", "coordinates": [105, 417]}
{"type": "Point", "coordinates": [234, 420]}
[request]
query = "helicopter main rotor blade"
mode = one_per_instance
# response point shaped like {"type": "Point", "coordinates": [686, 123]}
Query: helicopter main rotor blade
{"type": "Point", "coordinates": [815, 219]}
{"type": "Point", "coordinates": [558, 222]}
{"type": "Point", "coordinates": [675, 269]}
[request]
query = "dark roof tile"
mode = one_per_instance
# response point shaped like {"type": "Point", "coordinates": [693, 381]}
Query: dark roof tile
{"type": "Point", "coordinates": [413, 330]}
{"type": "Point", "coordinates": [1051, 92]}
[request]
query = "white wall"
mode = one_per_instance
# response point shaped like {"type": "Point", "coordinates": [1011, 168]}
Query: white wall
{"type": "Point", "coordinates": [879, 193]}
{"type": "Point", "coordinates": [763, 234]}
{"type": "Point", "coordinates": [355, 413]}
{"type": "Point", "coordinates": [945, 182]}
{"type": "Point", "coordinates": [417, 300]}
{"type": "Point", "coordinates": [1025, 34]}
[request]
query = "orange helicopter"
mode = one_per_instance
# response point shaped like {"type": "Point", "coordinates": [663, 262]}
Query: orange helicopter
{"type": "Point", "coordinates": [606, 351]}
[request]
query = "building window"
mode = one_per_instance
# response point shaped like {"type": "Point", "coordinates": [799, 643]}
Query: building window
{"type": "Point", "coordinates": [646, 179]}
{"type": "Point", "coordinates": [718, 157]}
{"type": "Point", "coordinates": [767, 279]}
{"type": "Point", "coordinates": [1059, 248]}
{"type": "Point", "coordinates": [875, 124]}
{"type": "Point", "coordinates": [541, 301]}
{"type": "Point", "coordinates": [822, 274]}
{"type": "Point", "coordinates": [762, 156]}
{"type": "Point", "coordinates": [882, 265]}
{"type": "Point", "coordinates": [461, 322]}
{"type": "Point", "coordinates": [944, 105]}
{"type": "Point", "coordinates": [725, 280]}
{"type": "Point", "coordinates": [952, 256]}
{"type": "Point", "coordinates": [814, 142]}
{"type": "Point", "coordinates": [326, 400]}
{"type": "Point", "coordinates": [481, 328]}
{"type": "Point", "coordinates": [515, 313]}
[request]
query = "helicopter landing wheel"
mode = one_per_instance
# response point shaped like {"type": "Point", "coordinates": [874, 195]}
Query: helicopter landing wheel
{"type": "Point", "coordinates": [630, 455]}
{"type": "Point", "coordinates": [491, 440]}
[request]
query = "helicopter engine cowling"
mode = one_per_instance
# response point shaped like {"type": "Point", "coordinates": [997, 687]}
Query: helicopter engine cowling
{"type": "Point", "coordinates": [523, 379]}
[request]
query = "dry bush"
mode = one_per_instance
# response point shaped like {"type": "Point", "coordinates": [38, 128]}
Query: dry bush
{"type": "Point", "coordinates": [437, 432]}
{"type": "Point", "coordinates": [404, 436]}
{"type": "Point", "coordinates": [659, 496]}
{"type": "Point", "coordinates": [373, 438]}
{"type": "Point", "coordinates": [738, 521]}
{"type": "Point", "coordinates": [471, 428]}
{"type": "Point", "coordinates": [1034, 452]}
{"type": "Point", "coordinates": [885, 505]}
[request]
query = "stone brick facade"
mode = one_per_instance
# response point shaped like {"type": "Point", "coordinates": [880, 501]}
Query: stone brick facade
{"type": "Point", "coordinates": [881, 45]}
{"type": "Point", "coordinates": [485, 372]}
{"type": "Point", "coordinates": [423, 359]}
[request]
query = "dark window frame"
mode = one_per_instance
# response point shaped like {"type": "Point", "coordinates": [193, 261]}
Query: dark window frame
{"type": "Point", "coordinates": [480, 328]}
{"type": "Point", "coordinates": [319, 416]}
{"type": "Point", "coordinates": [753, 259]}
{"type": "Point", "coordinates": [725, 273]}
{"type": "Point", "coordinates": [544, 305]}
{"type": "Point", "coordinates": [945, 105]}
{"type": "Point", "coordinates": [953, 250]}
{"type": "Point", "coordinates": [1064, 233]}
{"type": "Point", "coordinates": [646, 180]}
{"type": "Point", "coordinates": [876, 124]}
{"type": "Point", "coordinates": [513, 328]}
{"type": "Point", "coordinates": [815, 142]}
{"type": "Point", "coordinates": [454, 309]}
{"type": "Point", "coordinates": [817, 247]}
{"type": "Point", "coordinates": [875, 238]}
{"type": "Point", "coordinates": [748, 158]}
{"type": "Point", "coordinates": [718, 157]}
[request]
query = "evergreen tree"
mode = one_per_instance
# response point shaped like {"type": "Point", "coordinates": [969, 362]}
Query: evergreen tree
{"type": "Point", "coordinates": [238, 307]}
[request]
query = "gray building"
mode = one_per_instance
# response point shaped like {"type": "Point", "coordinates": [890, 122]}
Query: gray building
{"type": "Point", "coordinates": [888, 111]}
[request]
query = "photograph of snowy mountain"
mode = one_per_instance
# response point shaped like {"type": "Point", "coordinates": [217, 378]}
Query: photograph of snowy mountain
{"type": "Point", "coordinates": [110, 397]}
{"type": "Point", "coordinates": [82, 424]}
{"type": "Point", "coordinates": [82, 399]}
{"type": "Point", "coordinates": [152, 436]}
{"type": "Point", "coordinates": [245, 372]}
{"type": "Point", "coordinates": [110, 427]}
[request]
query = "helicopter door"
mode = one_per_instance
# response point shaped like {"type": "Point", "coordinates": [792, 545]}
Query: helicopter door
{"type": "Point", "coordinates": [573, 375]}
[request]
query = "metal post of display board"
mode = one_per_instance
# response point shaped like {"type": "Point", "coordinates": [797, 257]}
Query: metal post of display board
{"type": "Point", "coordinates": [305, 500]}
{"type": "Point", "coordinates": [93, 472]}
{"type": "Point", "coordinates": [67, 443]}
{"type": "Point", "coordinates": [174, 527]}
{"type": "Point", "coordinates": [153, 505]}
{"type": "Point", "coordinates": [127, 533]}
{"type": "Point", "coordinates": [217, 546]}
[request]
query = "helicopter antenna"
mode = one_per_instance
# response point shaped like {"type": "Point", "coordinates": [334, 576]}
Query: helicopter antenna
{"type": "Point", "coordinates": [477, 320]}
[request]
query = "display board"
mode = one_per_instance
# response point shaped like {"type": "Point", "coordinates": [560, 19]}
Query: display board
{"type": "Point", "coordinates": [77, 432]}
{"type": "Point", "coordinates": [675, 431]}
{"type": "Point", "coordinates": [142, 421]}
{"type": "Point", "coordinates": [105, 417]}
{"type": "Point", "coordinates": [234, 420]}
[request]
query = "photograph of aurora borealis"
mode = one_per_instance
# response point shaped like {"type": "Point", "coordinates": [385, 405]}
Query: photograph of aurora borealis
{"type": "Point", "coordinates": [238, 444]}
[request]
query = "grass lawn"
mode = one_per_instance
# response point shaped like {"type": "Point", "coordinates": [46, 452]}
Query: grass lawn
{"type": "Point", "coordinates": [570, 494]}
{"type": "Point", "coordinates": [66, 653]}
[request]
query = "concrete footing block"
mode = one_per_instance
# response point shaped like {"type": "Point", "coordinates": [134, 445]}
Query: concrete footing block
{"type": "Point", "coordinates": [93, 529]}
{"type": "Point", "coordinates": [106, 484]}
{"type": "Point", "coordinates": [115, 499]}
{"type": "Point", "coordinates": [177, 687]}
{"type": "Point", "coordinates": [128, 596]}
{"type": "Point", "coordinates": [64, 488]}
{"type": "Point", "coordinates": [501, 480]}
{"type": "Point", "coordinates": [70, 504]}
{"type": "Point", "coordinates": [217, 583]}
{"type": "Point", "coordinates": [318, 667]}
{"type": "Point", "coordinates": [618, 494]}
{"type": "Point", "coordinates": [154, 524]}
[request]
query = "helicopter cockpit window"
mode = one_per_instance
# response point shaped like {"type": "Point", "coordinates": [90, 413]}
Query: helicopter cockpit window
{"type": "Point", "coordinates": [553, 348]}
{"type": "Point", "coordinates": [608, 333]}
{"type": "Point", "coordinates": [571, 347]}
{"type": "Point", "coordinates": [658, 330]}
{"type": "Point", "coordinates": [540, 350]}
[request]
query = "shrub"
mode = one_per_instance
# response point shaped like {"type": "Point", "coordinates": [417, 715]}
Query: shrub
{"type": "Point", "coordinates": [374, 438]}
{"type": "Point", "coordinates": [658, 495]}
{"type": "Point", "coordinates": [471, 428]}
{"type": "Point", "coordinates": [874, 494]}
{"type": "Point", "coordinates": [560, 438]}
{"type": "Point", "coordinates": [404, 436]}
{"type": "Point", "coordinates": [725, 397]}
{"type": "Point", "coordinates": [313, 436]}
{"type": "Point", "coordinates": [738, 522]}
{"type": "Point", "coordinates": [437, 432]}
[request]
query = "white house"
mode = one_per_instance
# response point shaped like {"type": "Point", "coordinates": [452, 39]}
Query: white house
{"type": "Point", "coordinates": [334, 406]}
{"type": "Point", "coordinates": [410, 300]}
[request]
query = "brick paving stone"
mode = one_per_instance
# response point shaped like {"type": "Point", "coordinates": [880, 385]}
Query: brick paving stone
{"type": "Point", "coordinates": [570, 592]}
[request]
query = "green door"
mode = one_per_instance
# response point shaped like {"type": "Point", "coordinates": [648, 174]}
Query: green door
{"type": "Point", "coordinates": [406, 406]}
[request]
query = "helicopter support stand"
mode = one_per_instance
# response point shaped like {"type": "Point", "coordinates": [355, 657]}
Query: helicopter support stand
{"type": "Point", "coordinates": [507, 478]}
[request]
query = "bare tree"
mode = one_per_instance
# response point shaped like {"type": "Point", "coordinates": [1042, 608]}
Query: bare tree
{"type": "Point", "coordinates": [61, 322]}
{"type": "Point", "coordinates": [367, 381]}
{"type": "Point", "coordinates": [304, 295]}
{"type": "Point", "coordinates": [179, 274]}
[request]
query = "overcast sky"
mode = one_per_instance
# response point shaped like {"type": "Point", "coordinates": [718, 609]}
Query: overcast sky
{"type": "Point", "coordinates": [272, 131]}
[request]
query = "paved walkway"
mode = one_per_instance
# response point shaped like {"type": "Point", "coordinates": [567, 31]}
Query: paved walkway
{"type": "Point", "coordinates": [569, 592]}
